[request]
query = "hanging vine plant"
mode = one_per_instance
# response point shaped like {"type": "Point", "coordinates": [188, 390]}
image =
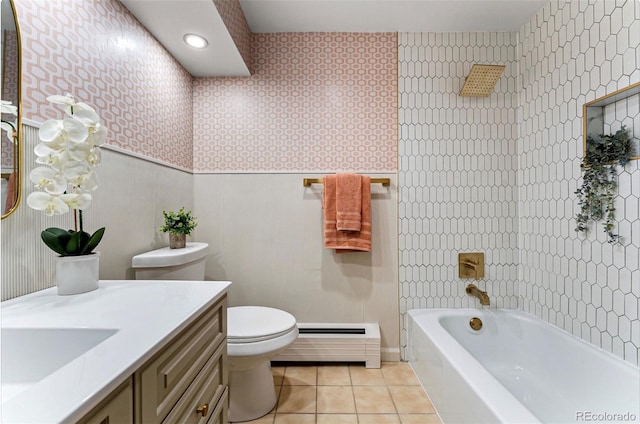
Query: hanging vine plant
{"type": "Point", "coordinates": [600, 180]}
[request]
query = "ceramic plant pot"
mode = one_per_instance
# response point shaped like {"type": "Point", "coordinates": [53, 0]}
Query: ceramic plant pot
{"type": "Point", "coordinates": [177, 241]}
{"type": "Point", "coordinates": [77, 274]}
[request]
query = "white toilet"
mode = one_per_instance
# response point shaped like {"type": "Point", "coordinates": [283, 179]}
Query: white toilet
{"type": "Point", "coordinates": [255, 334]}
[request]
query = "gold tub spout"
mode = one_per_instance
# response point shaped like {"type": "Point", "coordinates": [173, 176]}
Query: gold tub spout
{"type": "Point", "coordinates": [473, 290]}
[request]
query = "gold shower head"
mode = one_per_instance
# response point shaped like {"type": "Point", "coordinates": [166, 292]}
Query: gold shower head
{"type": "Point", "coordinates": [481, 80]}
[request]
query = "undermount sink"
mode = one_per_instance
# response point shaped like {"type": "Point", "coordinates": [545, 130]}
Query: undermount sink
{"type": "Point", "coordinates": [31, 354]}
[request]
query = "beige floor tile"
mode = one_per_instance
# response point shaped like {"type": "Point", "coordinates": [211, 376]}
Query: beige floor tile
{"type": "Point", "coordinates": [337, 419]}
{"type": "Point", "coordinates": [349, 394]}
{"type": "Point", "coordinates": [361, 376]}
{"type": "Point", "coordinates": [297, 399]}
{"type": "Point", "coordinates": [278, 374]}
{"type": "Point", "coordinates": [335, 400]}
{"type": "Point", "coordinates": [378, 419]}
{"type": "Point", "coordinates": [399, 374]}
{"type": "Point", "coordinates": [411, 400]}
{"type": "Point", "coordinates": [300, 376]}
{"type": "Point", "coordinates": [267, 419]}
{"type": "Point", "coordinates": [420, 419]}
{"type": "Point", "coordinates": [334, 375]}
{"type": "Point", "coordinates": [295, 419]}
{"type": "Point", "coordinates": [373, 399]}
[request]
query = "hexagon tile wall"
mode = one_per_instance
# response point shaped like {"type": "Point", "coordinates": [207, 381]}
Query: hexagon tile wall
{"type": "Point", "coordinates": [477, 176]}
{"type": "Point", "coordinates": [457, 172]}
{"type": "Point", "coordinates": [574, 52]}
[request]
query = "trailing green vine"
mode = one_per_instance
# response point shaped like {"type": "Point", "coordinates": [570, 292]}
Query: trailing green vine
{"type": "Point", "coordinates": [600, 180]}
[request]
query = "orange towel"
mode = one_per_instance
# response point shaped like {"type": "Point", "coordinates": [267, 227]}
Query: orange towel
{"type": "Point", "coordinates": [11, 192]}
{"type": "Point", "coordinates": [348, 202]}
{"type": "Point", "coordinates": [346, 241]}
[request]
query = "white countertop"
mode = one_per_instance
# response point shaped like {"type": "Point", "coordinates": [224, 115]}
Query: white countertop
{"type": "Point", "coordinates": [146, 315]}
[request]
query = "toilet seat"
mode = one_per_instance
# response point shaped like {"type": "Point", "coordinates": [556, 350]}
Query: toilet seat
{"type": "Point", "coordinates": [251, 324]}
{"type": "Point", "coordinates": [255, 335]}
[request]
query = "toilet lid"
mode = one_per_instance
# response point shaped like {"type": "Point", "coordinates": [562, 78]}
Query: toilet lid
{"type": "Point", "coordinates": [246, 324]}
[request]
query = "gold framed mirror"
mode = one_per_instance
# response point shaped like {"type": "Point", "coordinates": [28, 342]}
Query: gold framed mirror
{"type": "Point", "coordinates": [11, 134]}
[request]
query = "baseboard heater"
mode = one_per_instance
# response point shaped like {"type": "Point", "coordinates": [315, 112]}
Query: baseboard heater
{"type": "Point", "coordinates": [348, 342]}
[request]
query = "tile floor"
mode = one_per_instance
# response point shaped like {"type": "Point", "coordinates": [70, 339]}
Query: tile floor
{"type": "Point", "coordinates": [349, 394]}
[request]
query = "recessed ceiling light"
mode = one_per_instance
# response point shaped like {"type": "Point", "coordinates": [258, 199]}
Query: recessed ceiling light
{"type": "Point", "coordinates": [195, 40]}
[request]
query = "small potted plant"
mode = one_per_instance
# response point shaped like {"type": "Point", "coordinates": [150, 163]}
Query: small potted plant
{"type": "Point", "coordinates": [179, 225]}
{"type": "Point", "coordinates": [68, 152]}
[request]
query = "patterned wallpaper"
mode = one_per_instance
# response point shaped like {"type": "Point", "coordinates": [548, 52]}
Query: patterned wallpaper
{"type": "Point", "coordinates": [9, 87]}
{"type": "Point", "coordinates": [572, 53]}
{"type": "Point", "coordinates": [457, 171]}
{"type": "Point", "coordinates": [315, 102]}
{"type": "Point", "coordinates": [233, 18]}
{"type": "Point", "coordinates": [97, 51]}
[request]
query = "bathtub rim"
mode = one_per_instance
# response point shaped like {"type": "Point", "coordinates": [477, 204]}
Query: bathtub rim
{"type": "Point", "coordinates": [495, 395]}
{"type": "Point", "coordinates": [441, 339]}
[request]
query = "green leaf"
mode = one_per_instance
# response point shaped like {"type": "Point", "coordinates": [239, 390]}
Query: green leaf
{"type": "Point", "coordinates": [93, 241]}
{"type": "Point", "coordinates": [56, 239]}
{"type": "Point", "coordinates": [73, 246]}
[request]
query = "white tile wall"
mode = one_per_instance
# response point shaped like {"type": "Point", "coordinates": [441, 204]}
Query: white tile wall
{"type": "Point", "coordinates": [573, 52]}
{"type": "Point", "coordinates": [509, 189]}
{"type": "Point", "coordinates": [457, 172]}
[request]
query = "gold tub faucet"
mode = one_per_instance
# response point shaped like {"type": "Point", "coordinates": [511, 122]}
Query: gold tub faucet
{"type": "Point", "coordinates": [473, 290]}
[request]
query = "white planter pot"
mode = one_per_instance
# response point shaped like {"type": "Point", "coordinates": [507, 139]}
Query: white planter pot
{"type": "Point", "coordinates": [77, 274]}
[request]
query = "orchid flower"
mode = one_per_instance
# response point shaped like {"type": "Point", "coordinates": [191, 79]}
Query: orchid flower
{"type": "Point", "coordinates": [77, 201]}
{"type": "Point", "coordinates": [81, 178]}
{"type": "Point", "coordinates": [57, 132]}
{"type": "Point", "coordinates": [8, 126]}
{"type": "Point", "coordinates": [67, 102]}
{"type": "Point", "coordinates": [49, 180]}
{"type": "Point", "coordinates": [45, 155]}
{"type": "Point", "coordinates": [50, 204]}
{"type": "Point", "coordinates": [8, 107]}
{"type": "Point", "coordinates": [69, 150]}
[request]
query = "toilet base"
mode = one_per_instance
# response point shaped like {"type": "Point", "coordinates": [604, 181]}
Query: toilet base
{"type": "Point", "coordinates": [252, 393]}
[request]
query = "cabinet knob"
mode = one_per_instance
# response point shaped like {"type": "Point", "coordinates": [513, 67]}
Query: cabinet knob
{"type": "Point", "coordinates": [204, 409]}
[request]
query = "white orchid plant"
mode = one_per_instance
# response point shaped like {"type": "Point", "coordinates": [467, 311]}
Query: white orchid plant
{"type": "Point", "coordinates": [8, 126]}
{"type": "Point", "coordinates": [68, 152]}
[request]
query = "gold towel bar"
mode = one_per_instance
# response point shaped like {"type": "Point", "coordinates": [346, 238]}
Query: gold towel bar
{"type": "Point", "coordinates": [308, 181]}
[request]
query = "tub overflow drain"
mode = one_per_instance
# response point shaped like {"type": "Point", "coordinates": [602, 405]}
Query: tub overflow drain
{"type": "Point", "coordinates": [475, 323]}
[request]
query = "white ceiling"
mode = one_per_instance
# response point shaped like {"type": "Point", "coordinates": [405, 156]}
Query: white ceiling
{"type": "Point", "coordinates": [169, 20]}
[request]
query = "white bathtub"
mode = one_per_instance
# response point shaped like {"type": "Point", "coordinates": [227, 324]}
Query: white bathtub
{"type": "Point", "coordinates": [516, 369]}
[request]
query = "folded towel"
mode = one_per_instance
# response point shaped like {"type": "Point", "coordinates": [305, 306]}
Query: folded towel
{"type": "Point", "coordinates": [346, 241]}
{"type": "Point", "coordinates": [348, 202]}
{"type": "Point", "coordinates": [11, 192]}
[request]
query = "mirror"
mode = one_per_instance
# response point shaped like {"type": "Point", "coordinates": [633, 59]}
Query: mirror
{"type": "Point", "coordinates": [10, 148]}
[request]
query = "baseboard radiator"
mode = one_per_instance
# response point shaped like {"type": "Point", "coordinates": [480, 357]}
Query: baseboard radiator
{"type": "Point", "coordinates": [322, 342]}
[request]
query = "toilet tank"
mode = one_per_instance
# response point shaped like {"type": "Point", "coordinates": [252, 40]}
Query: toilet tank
{"type": "Point", "coordinates": [172, 264]}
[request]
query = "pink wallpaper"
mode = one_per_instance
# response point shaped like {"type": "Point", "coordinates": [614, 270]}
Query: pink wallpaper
{"type": "Point", "coordinates": [97, 51]}
{"type": "Point", "coordinates": [9, 88]}
{"type": "Point", "coordinates": [315, 102]}
{"type": "Point", "coordinates": [233, 18]}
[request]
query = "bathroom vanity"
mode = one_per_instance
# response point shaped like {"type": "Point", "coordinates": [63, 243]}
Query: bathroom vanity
{"type": "Point", "coordinates": [130, 351]}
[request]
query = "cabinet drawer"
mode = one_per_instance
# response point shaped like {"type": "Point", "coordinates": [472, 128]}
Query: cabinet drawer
{"type": "Point", "coordinates": [161, 383]}
{"type": "Point", "coordinates": [117, 408]}
{"type": "Point", "coordinates": [204, 393]}
{"type": "Point", "coordinates": [219, 415]}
